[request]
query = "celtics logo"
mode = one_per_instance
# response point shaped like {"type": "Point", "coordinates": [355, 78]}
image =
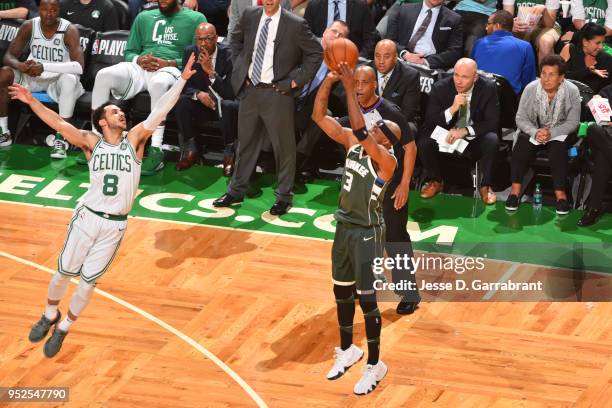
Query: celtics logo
{"type": "Point", "coordinates": [56, 41]}
{"type": "Point", "coordinates": [123, 145]}
{"type": "Point", "coordinates": [95, 14]}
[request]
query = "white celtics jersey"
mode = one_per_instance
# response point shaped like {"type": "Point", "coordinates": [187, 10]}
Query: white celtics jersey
{"type": "Point", "coordinates": [114, 174]}
{"type": "Point", "coordinates": [52, 49]}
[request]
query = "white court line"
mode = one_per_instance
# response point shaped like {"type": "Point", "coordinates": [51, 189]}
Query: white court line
{"type": "Point", "coordinates": [195, 224]}
{"type": "Point", "coordinates": [503, 278]}
{"type": "Point", "coordinates": [246, 387]}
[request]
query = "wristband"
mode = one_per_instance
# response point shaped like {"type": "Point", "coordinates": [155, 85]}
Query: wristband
{"type": "Point", "coordinates": [361, 134]}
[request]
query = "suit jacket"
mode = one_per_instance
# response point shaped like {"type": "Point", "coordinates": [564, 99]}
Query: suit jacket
{"type": "Point", "coordinates": [404, 89]}
{"type": "Point", "coordinates": [237, 7]}
{"type": "Point", "coordinates": [297, 53]}
{"type": "Point", "coordinates": [447, 34]}
{"type": "Point", "coordinates": [484, 106]}
{"type": "Point", "coordinates": [223, 73]}
{"type": "Point", "coordinates": [362, 30]}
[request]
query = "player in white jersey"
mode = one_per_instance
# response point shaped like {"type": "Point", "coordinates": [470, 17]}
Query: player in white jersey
{"type": "Point", "coordinates": [54, 65]}
{"type": "Point", "coordinates": [100, 220]}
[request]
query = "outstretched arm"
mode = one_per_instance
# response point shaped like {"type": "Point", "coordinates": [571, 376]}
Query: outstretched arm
{"type": "Point", "coordinates": [328, 124]}
{"type": "Point", "coordinates": [385, 161]}
{"type": "Point", "coordinates": [82, 139]}
{"type": "Point", "coordinates": [141, 132]}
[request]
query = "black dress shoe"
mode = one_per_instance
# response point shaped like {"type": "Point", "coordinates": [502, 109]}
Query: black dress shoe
{"type": "Point", "coordinates": [405, 308]}
{"type": "Point", "coordinates": [280, 208]}
{"type": "Point", "coordinates": [589, 217]}
{"type": "Point", "coordinates": [226, 200]}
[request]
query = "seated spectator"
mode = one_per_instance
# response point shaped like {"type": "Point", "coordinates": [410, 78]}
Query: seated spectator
{"type": "Point", "coordinates": [468, 107]}
{"type": "Point", "coordinates": [309, 131]}
{"type": "Point", "coordinates": [198, 101]}
{"type": "Point", "coordinates": [136, 6]}
{"type": "Point", "coordinates": [236, 9]}
{"type": "Point", "coordinates": [474, 17]}
{"type": "Point", "coordinates": [598, 12]}
{"type": "Point", "coordinates": [503, 54]}
{"type": "Point", "coordinates": [320, 14]}
{"type": "Point", "coordinates": [54, 65]}
{"type": "Point", "coordinates": [153, 55]}
{"type": "Point", "coordinates": [99, 15]}
{"type": "Point", "coordinates": [546, 33]}
{"type": "Point", "coordinates": [547, 117]}
{"type": "Point", "coordinates": [599, 140]}
{"type": "Point", "coordinates": [14, 9]}
{"type": "Point", "coordinates": [586, 62]}
{"type": "Point", "coordinates": [428, 34]}
{"type": "Point", "coordinates": [397, 81]}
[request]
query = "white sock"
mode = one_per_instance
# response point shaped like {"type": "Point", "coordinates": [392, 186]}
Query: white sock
{"type": "Point", "coordinates": [4, 123]}
{"type": "Point", "coordinates": [65, 324]}
{"type": "Point", "coordinates": [51, 311]}
{"type": "Point", "coordinates": [158, 137]}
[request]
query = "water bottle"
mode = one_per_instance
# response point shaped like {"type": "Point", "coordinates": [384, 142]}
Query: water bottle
{"type": "Point", "coordinates": [537, 198]}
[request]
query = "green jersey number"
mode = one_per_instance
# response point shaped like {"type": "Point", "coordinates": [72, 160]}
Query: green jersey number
{"type": "Point", "coordinates": [348, 182]}
{"type": "Point", "coordinates": [110, 185]}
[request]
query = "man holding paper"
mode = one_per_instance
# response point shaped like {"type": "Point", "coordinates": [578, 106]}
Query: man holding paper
{"type": "Point", "coordinates": [549, 112]}
{"type": "Point", "coordinates": [463, 116]}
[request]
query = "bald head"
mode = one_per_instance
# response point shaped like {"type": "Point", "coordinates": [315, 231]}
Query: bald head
{"type": "Point", "coordinates": [206, 37]}
{"type": "Point", "coordinates": [385, 56]}
{"type": "Point", "coordinates": [365, 72]}
{"type": "Point", "coordinates": [465, 74]}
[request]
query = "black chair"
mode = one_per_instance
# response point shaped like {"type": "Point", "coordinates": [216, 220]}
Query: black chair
{"type": "Point", "coordinates": [107, 50]}
{"type": "Point", "coordinates": [8, 32]}
{"type": "Point", "coordinates": [586, 94]}
{"type": "Point", "coordinates": [123, 14]}
{"type": "Point", "coordinates": [86, 37]}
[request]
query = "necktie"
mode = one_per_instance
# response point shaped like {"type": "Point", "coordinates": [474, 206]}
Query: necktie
{"type": "Point", "coordinates": [383, 83]}
{"type": "Point", "coordinates": [259, 55]}
{"type": "Point", "coordinates": [316, 81]}
{"type": "Point", "coordinates": [462, 119]}
{"type": "Point", "coordinates": [336, 10]}
{"type": "Point", "coordinates": [420, 32]}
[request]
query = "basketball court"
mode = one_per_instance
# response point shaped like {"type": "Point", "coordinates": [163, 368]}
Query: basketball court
{"type": "Point", "coordinates": [209, 308]}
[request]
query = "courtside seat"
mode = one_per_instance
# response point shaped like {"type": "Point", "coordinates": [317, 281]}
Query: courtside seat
{"type": "Point", "coordinates": [123, 13]}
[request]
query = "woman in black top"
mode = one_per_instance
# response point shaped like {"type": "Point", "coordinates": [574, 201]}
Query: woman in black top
{"type": "Point", "coordinates": [586, 61]}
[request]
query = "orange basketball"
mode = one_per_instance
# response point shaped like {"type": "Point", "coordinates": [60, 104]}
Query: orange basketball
{"type": "Point", "coordinates": [341, 50]}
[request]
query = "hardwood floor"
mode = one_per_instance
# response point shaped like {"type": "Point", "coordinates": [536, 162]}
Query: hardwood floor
{"type": "Point", "coordinates": [263, 305]}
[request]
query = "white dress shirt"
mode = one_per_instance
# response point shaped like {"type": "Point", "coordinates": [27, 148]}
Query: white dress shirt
{"type": "Point", "coordinates": [267, 71]}
{"type": "Point", "coordinates": [449, 116]}
{"type": "Point", "coordinates": [425, 45]}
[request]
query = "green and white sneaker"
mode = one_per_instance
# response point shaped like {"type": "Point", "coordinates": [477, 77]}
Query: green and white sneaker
{"type": "Point", "coordinates": [54, 343]}
{"type": "Point", "coordinates": [154, 161]}
{"type": "Point", "coordinates": [5, 138]}
{"type": "Point", "coordinates": [60, 146]}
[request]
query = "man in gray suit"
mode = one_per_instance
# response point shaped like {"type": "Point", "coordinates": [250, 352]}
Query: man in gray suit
{"type": "Point", "coordinates": [274, 54]}
{"type": "Point", "coordinates": [236, 9]}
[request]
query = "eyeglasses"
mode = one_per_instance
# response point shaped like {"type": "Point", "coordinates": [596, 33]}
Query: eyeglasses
{"type": "Point", "coordinates": [207, 38]}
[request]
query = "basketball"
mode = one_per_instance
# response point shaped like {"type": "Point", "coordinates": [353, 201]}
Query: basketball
{"type": "Point", "coordinates": [341, 50]}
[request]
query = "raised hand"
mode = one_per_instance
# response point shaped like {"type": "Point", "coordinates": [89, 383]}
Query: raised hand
{"type": "Point", "coordinates": [188, 70]}
{"type": "Point", "coordinates": [20, 93]}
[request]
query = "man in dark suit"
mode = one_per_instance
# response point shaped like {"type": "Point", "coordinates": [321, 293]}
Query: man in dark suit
{"type": "Point", "coordinates": [274, 55]}
{"type": "Point", "coordinates": [207, 96]}
{"type": "Point", "coordinates": [426, 33]}
{"type": "Point", "coordinates": [309, 132]}
{"type": "Point", "coordinates": [397, 81]}
{"type": "Point", "coordinates": [468, 107]}
{"type": "Point", "coordinates": [320, 14]}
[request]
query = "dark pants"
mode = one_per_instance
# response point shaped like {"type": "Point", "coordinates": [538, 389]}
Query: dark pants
{"type": "Point", "coordinates": [398, 242]}
{"type": "Point", "coordinates": [524, 152]}
{"type": "Point", "coordinates": [600, 143]}
{"type": "Point", "coordinates": [483, 148]}
{"type": "Point", "coordinates": [187, 109]}
{"type": "Point", "coordinates": [264, 108]}
{"type": "Point", "coordinates": [474, 27]}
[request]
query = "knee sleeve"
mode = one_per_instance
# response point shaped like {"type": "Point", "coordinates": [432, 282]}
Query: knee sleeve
{"type": "Point", "coordinates": [345, 301]}
{"type": "Point", "coordinates": [58, 286]}
{"type": "Point", "coordinates": [81, 297]}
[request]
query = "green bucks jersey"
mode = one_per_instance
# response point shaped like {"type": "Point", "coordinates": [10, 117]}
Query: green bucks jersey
{"type": "Point", "coordinates": [114, 174]}
{"type": "Point", "coordinates": [163, 36]}
{"type": "Point", "coordinates": [362, 191]}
